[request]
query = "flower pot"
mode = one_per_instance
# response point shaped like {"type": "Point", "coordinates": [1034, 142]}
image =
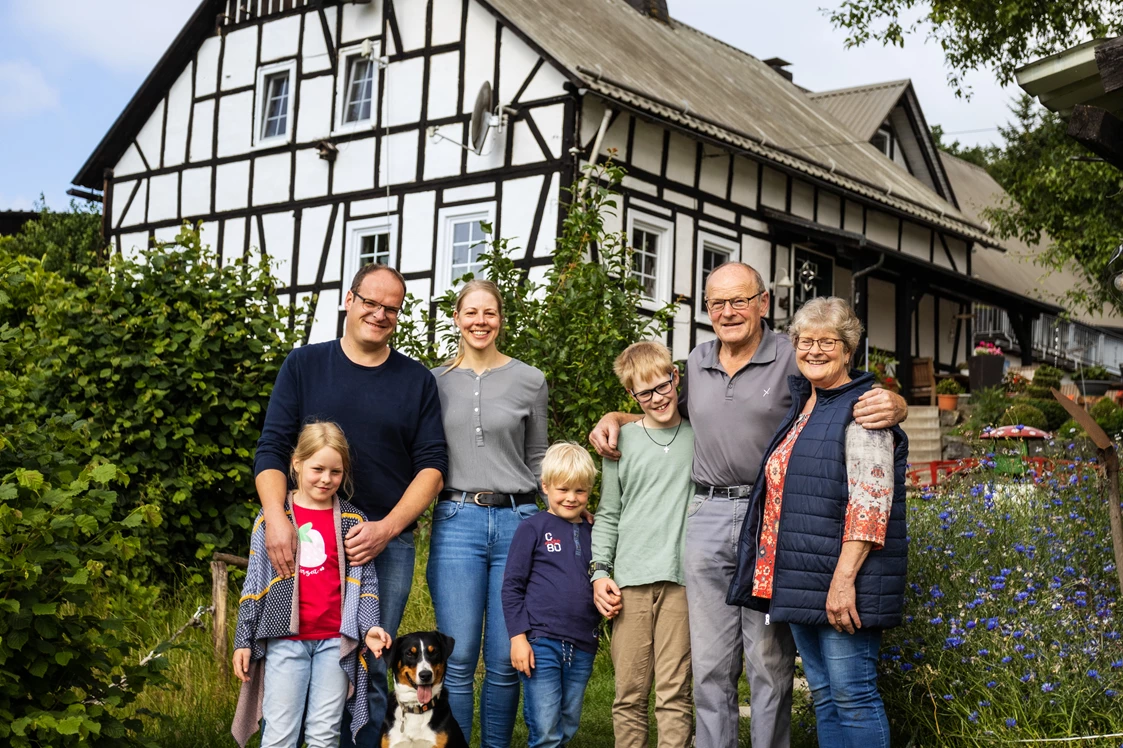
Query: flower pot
{"type": "Point", "coordinates": [986, 371]}
{"type": "Point", "coordinates": [947, 402]}
{"type": "Point", "coordinates": [1094, 387]}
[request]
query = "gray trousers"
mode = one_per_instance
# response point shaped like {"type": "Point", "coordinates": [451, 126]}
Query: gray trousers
{"type": "Point", "coordinates": [719, 631]}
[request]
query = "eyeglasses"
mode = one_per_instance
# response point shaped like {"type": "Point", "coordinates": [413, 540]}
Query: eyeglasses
{"type": "Point", "coordinates": [664, 389]}
{"type": "Point", "coordinates": [738, 305]}
{"type": "Point", "coordinates": [826, 345]}
{"type": "Point", "coordinates": [370, 306]}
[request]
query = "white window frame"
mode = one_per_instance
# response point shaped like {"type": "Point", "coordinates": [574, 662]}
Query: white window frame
{"type": "Point", "coordinates": [722, 244]}
{"type": "Point", "coordinates": [259, 109]}
{"type": "Point", "coordinates": [665, 230]}
{"type": "Point", "coordinates": [342, 87]}
{"type": "Point", "coordinates": [446, 219]}
{"type": "Point", "coordinates": [355, 232]}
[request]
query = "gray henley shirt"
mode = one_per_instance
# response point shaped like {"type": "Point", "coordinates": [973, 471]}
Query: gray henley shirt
{"type": "Point", "coordinates": [495, 426]}
{"type": "Point", "coordinates": [735, 417]}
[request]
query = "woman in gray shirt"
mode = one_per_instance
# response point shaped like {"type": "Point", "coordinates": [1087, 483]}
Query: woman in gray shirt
{"type": "Point", "coordinates": [494, 411]}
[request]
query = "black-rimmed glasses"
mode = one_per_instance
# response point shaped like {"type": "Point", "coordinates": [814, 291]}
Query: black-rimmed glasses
{"type": "Point", "coordinates": [739, 304]}
{"type": "Point", "coordinates": [664, 389]}
{"type": "Point", "coordinates": [826, 345]}
{"type": "Point", "coordinates": [371, 306]}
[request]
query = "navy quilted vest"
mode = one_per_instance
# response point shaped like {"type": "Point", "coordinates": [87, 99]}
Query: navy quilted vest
{"type": "Point", "coordinates": [813, 518]}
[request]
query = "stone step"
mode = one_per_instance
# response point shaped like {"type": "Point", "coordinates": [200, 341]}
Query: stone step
{"type": "Point", "coordinates": [926, 432]}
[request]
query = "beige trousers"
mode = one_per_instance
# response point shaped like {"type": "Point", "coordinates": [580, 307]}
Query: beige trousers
{"type": "Point", "coordinates": [651, 641]}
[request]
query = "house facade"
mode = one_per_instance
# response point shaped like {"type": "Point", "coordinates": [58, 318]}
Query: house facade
{"type": "Point", "coordinates": [328, 134]}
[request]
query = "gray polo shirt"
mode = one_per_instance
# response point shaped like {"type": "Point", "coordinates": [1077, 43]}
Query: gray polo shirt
{"type": "Point", "coordinates": [735, 417]}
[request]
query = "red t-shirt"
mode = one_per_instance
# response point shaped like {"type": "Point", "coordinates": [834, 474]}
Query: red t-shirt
{"type": "Point", "coordinates": [320, 602]}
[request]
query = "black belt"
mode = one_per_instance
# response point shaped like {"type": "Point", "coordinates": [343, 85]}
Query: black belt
{"type": "Point", "coordinates": [488, 498]}
{"type": "Point", "coordinates": [726, 492]}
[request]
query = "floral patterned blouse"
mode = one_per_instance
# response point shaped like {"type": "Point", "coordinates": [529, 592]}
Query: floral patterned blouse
{"type": "Point", "coordinates": [869, 471]}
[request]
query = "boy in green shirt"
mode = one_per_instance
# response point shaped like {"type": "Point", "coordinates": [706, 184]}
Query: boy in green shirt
{"type": "Point", "coordinates": [638, 540]}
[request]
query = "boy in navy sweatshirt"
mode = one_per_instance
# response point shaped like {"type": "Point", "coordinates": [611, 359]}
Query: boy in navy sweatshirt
{"type": "Point", "coordinates": [548, 600]}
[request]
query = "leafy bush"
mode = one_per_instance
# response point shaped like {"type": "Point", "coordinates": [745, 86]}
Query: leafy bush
{"type": "Point", "coordinates": [1103, 409]}
{"type": "Point", "coordinates": [1054, 412]}
{"type": "Point", "coordinates": [169, 360]}
{"type": "Point", "coordinates": [1096, 372]}
{"type": "Point", "coordinates": [1011, 614]}
{"type": "Point", "coordinates": [573, 325]}
{"type": "Point", "coordinates": [949, 387]}
{"type": "Point", "coordinates": [1023, 414]}
{"type": "Point", "coordinates": [1045, 378]}
{"type": "Point", "coordinates": [987, 407]}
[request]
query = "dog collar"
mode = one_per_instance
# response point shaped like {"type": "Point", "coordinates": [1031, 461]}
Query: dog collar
{"type": "Point", "coordinates": [419, 709]}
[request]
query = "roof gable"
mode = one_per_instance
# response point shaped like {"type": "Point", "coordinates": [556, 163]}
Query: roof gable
{"type": "Point", "coordinates": [862, 109]}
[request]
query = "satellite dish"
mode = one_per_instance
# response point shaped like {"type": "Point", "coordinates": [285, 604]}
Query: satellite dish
{"type": "Point", "coordinates": [482, 120]}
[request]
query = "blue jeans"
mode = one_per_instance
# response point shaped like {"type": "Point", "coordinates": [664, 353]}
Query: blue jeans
{"type": "Point", "coordinates": [554, 692]}
{"type": "Point", "coordinates": [303, 681]}
{"type": "Point", "coordinates": [467, 556]}
{"type": "Point", "coordinates": [841, 671]}
{"type": "Point", "coordinates": [395, 577]}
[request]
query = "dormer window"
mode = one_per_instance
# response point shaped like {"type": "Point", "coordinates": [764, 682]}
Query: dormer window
{"type": "Point", "coordinates": [274, 104]}
{"type": "Point", "coordinates": [883, 141]}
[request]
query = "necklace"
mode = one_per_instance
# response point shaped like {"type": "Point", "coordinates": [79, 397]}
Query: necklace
{"type": "Point", "coordinates": [666, 447]}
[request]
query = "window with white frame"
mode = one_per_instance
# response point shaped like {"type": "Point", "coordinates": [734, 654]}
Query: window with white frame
{"type": "Point", "coordinates": [371, 240]}
{"type": "Point", "coordinates": [274, 103]}
{"type": "Point", "coordinates": [356, 88]}
{"type": "Point", "coordinates": [712, 256]}
{"type": "Point", "coordinates": [461, 239]}
{"type": "Point", "coordinates": [650, 238]}
{"type": "Point", "coordinates": [713, 251]}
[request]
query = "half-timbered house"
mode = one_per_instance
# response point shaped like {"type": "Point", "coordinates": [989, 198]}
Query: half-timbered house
{"type": "Point", "coordinates": [329, 133]}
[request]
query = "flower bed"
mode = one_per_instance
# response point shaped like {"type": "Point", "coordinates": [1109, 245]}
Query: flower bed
{"type": "Point", "coordinates": [1010, 626]}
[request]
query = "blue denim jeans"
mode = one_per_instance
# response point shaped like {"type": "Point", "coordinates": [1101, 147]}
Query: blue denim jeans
{"type": "Point", "coordinates": [554, 692]}
{"type": "Point", "coordinates": [841, 672]}
{"type": "Point", "coordinates": [303, 681]}
{"type": "Point", "coordinates": [467, 556]}
{"type": "Point", "coordinates": [395, 577]}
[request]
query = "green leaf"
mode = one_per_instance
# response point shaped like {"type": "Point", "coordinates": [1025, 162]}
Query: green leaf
{"type": "Point", "coordinates": [69, 725]}
{"type": "Point", "coordinates": [44, 609]}
{"type": "Point", "coordinates": [103, 473]}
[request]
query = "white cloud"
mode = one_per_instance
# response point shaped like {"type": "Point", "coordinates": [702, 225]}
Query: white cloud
{"type": "Point", "coordinates": [124, 35]}
{"type": "Point", "coordinates": [24, 90]}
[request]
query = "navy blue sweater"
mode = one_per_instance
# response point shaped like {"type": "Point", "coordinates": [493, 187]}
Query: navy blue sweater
{"type": "Point", "coordinates": [546, 587]}
{"type": "Point", "coordinates": [391, 415]}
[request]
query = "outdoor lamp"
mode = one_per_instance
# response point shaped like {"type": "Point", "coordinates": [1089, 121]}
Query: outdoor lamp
{"type": "Point", "coordinates": [1115, 273]}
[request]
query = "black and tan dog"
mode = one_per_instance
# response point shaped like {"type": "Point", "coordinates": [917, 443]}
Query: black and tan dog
{"type": "Point", "coordinates": [417, 712]}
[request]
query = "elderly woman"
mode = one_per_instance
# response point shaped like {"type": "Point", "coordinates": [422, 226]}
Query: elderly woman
{"type": "Point", "coordinates": [823, 545]}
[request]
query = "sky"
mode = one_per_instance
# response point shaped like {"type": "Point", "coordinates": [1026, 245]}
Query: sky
{"type": "Point", "coordinates": [69, 67]}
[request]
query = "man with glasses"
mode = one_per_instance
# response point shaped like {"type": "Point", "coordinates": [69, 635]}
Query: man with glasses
{"type": "Point", "coordinates": [736, 395]}
{"type": "Point", "coordinates": [389, 410]}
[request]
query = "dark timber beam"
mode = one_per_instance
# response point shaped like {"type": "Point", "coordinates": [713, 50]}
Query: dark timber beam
{"type": "Point", "coordinates": [904, 309]}
{"type": "Point", "coordinates": [1109, 60]}
{"type": "Point", "coordinates": [1023, 331]}
{"type": "Point", "coordinates": [1099, 131]}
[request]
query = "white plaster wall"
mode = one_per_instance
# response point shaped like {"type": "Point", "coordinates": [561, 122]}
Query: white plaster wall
{"type": "Point", "coordinates": [446, 21]}
{"type": "Point", "coordinates": [916, 241]}
{"type": "Point", "coordinates": [313, 232]}
{"type": "Point", "coordinates": [631, 183]}
{"type": "Point", "coordinates": [516, 60]}
{"type": "Point", "coordinates": [418, 210]}
{"type": "Point", "coordinates": [681, 158]}
{"type": "Point", "coordinates": [744, 182]}
{"type": "Point", "coordinates": [179, 112]}
{"type": "Point", "coordinates": [774, 193]}
{"type": "Point", "coordinates": [326, 317]}
{"type": "Point", "coordinates": [758, 253]}
{"type": "Point", "coordinates": [354, 166]}
{"type": "Point", "coordinates": [520, 202]}
{"type": "Point", "coordinates": [958, 250]}
{"type": "Point", "coordinates": [121, 192]}
{"type": "Point", "coordinates": [524, 147]}
{"type": "Point", "coordinates": [150, 136]}
{"type": "Point", "coordinates": [232, 183]}
{"type": "Point", "coordinates": [239, 58]}
{"type": "Point", "coordinates": [492, 155]}
{"type": "Point", "coordinates": [411, 24]}
{"type": "Point", "coordinates": [362, 21]}
{"type": "Point", "coordinates": [206, 66]}
{"type": "Point", "coordinates": [165, 234]}
{"type": "Point", "coordinates": [683, 258]}
{"type": "Point", "coordinates": [399, 157]}
{"type": "Point", "coordinates": [647, 146]}
{"type": "Point", "coordinates": [135, 213]}
{"type": "Point", "coordinates": [882, 315]}
{"type": "Point", "coordinates": [316, 116]}
{"type": "Point", "coordinates": [196, 199]}
{"type": "Point", "coordinates": [551, 123]}
{"type": "Point", "coordinates": [208, 236]}
{"type": "Point", "coordinates": [281, 38]}
{"type": "Point", "coordinates": [939, 256]}
{"type": "Point", "coordinates": [615, 137]}
{"type": "Point", "coordinates": [681, 327]}
{"type": "Point", "coordinates": [403, 89]}
{"type": "Point", "coordinates": [881, 228]}
{"type": "Point", "coordinates": [235, 124]}
{"type": "Point", "coordinates": [442, 158]}
{"type": "Point", "coordinates": [948, 353]}
{"type": "Point", "coordinates": [803, 199]}
{"type": "Point", "coordinates": [444, 75]}
{"type": "Point", "coordinates": [333, 268]}
{"type": "Point", "coordinates": [546, 83]}
{"type": "Point", "coordinates": [271, 175]}
{"type": "Point", "coordinates": [314, 55]}
{"type": "Point", "coordinates": [714, 176]}
{"type": "Point", "coordinates": [853, 218]}
{"type": "Point", "coordinates": [163, 202]}
{"type": "Point", "coordinates": [311, 175]}
{"type": "Point", "coordinates": [129, 163]}
{"type": "Point", "coordinates": [830, 209]}
{"type": "Point", "coordinates": [547, 234]}
{"type": "Point", "coordinates": [479, 52]}
{"type": "Point", "coordinates": [469, 193]}
{"type": "Point", "coordinates": [719, 212]}
{"type": "Point", "coordinates": [278, 244]}
{"type": "Point", "coordinates": [926, 313]}
{"type": "Point", "coordinates": [202, 131]}
{"type": "Point", "coordinates": [131, 244]}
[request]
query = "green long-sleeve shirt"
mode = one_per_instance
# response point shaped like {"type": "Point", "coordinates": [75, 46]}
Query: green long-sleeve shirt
{"type": "Point", "coordinates": [641, 521]}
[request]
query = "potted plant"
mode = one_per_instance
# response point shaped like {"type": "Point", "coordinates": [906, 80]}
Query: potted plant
{"type": "Point", "coordinates": [883, 366]}
{"type": "Point", "coordinates": [947, 393]}
{"type": "Point", "coordinates": [1094, 381]}
{"type": "Point", "coordinates": [986, 366]}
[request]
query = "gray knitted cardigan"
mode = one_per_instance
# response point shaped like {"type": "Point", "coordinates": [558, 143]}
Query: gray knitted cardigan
{"type": "Point", "coordinates": [269, 608]}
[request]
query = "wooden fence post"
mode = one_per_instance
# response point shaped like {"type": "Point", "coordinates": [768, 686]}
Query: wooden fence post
{"type": "Point", "coordinates": [219, 573]}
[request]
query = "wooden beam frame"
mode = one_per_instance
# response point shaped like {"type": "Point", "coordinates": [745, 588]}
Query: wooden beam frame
{"type": "Point", "coordinates": [1109, 60]}
{"type": "Point", "coordinates": [1099, 131]}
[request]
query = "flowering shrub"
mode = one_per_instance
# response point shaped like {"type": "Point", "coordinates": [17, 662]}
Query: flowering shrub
{"type": "Point", "coordinates": [986, 348]}
{"type": "Point", "coordinates": [1010, 627]}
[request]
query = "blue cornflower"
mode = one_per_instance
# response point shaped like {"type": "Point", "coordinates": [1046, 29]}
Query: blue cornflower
{"type": "Point", "coordinates": [973, 716]}
{"type": "Point", "coordinates": [948, 697]}
{"type": "Point", "coordinates": [1093, 674]}
{"type": "Point", "coordinates": [991, 683]}
{"type": "Point", "coordinates": [1047, 687]}
{"type": "Point", "coordinates": [1011, 723]}
{"type": "Point", "coordinates": [1006, 659]}
{"type": "Point", "coordinates": [1110, 693]}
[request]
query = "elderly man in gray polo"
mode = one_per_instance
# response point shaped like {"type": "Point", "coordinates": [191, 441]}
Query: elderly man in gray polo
{"type": "Point", "coordinates": [738, 395]}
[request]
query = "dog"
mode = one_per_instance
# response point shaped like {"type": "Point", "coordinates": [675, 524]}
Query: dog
{"type": "Point", "coordinates": [417, 710]}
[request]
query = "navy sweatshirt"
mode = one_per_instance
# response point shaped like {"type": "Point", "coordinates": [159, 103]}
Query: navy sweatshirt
{"type": "Point", "coordinates": [391, 415]}
{"type": "Point", "coordinates": [546, 587]}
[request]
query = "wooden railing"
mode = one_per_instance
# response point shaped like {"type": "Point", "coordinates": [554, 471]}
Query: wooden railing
{"type": "Point", "coordinates": [220, 573]}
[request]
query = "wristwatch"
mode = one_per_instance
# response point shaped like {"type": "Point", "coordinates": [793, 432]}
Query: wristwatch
{"type": "Point", "coordinates": [595, 566]}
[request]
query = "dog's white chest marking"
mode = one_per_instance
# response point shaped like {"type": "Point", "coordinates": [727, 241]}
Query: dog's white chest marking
{"type": "Point", "coordinates": [411, 730]}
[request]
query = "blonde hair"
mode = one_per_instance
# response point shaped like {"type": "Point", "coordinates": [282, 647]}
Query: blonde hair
{"type": "Point", "coordinates": [314, 437]}
{"type": "Point", "coordinates": [568, 464]}
{"type": "Point", "coordinates": [473, 285]}
{"type": "Point", "coordinates": [828, 312]}
{"type": "Point", "coordinates": [646, 359]}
